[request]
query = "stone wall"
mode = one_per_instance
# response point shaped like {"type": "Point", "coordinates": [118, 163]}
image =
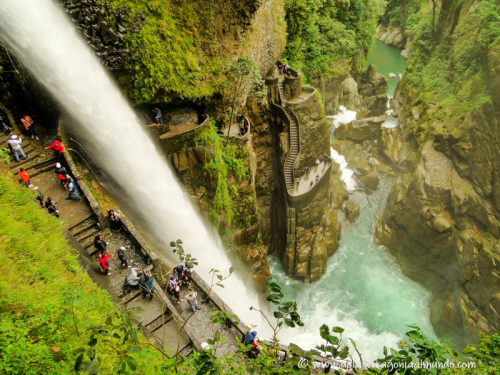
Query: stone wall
{"type": "Point", "coordinates": [102, 28]}
{"type": "Point", "coordinates": [314, 135]}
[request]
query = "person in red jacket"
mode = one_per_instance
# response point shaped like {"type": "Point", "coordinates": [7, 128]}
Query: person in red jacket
{"type": "Point", "coordinates": [58, 149]}
{"type": "Point", "coordinates": [25, 177]}
{"type": "Point", "coordinates": [103, 260]}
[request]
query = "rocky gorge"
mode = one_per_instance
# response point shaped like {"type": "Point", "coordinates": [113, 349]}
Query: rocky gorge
{"type": "Point", "coordinates": [441, 218]}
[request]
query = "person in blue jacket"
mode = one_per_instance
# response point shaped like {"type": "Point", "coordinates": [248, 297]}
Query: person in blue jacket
{"type": "Point", "coordinates": [147, 285]}
{"type": "Point", "coordinates": [158, 118]}
{"type": "Point", "coordinates": [250, 337]}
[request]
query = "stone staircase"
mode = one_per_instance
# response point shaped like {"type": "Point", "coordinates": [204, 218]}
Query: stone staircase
{"type": "Point", "coordinates": [294, 150]}
{"type": "Point", "coordinates": [156, 315]}
{"type": "Point", "coordinates": [293, 153]}
{"type": "Point", "coordinates": [39, 160]}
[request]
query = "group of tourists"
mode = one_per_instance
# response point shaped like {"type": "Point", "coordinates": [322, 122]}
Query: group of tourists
{"type": "Point", "coordinates": [243, 125]}
{"type": "Point", "coordinates": [179, 276]}
{"type": "Point", "coordinates": [326, 160]}
{"type": "Point", "coordinates": [67, 182]}
{"type": "Point", "coordinates": [283, 68]}
{"type": "Point", "coordinates": [139, 279]}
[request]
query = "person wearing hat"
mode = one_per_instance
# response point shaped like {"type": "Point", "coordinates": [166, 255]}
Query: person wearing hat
{"type": "Point", "coordinates": [191, 299]}
{"type": "Point", "coordinates": [71, 187]}
{"type": "Point", "coordinates": [15, 143]}
{"type": "Point", "coordinates": [62, 173]}
{"type": "Point", "coordinates": [123, 258]}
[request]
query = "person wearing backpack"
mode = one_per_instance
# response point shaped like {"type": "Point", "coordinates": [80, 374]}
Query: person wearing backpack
{"type": "Point", "coordinates": [15, 145]}
{"type": "Point", "coordinates": [71, 187]}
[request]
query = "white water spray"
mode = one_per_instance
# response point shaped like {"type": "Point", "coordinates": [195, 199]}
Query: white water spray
{"type": "Point", "coordinates": [46, 42]}
{"type": "Point", "coordinates": [343, 117]}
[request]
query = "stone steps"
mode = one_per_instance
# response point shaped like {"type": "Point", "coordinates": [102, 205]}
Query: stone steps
{"type": "Point", "coordinates": [83, 226]}
{"type": "Point", "coordinates": [92, 231]}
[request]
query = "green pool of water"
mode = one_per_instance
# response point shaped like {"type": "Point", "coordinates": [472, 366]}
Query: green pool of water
{"type": "Point", "coordinates": [387, 59]}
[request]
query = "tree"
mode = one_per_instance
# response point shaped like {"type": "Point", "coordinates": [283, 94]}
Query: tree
{"type": "Point", "coordinates": [243, 79]}
{"type": "Point", "coordinates": [286, 312]}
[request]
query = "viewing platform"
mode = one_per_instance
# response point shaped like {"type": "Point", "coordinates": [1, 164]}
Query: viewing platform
{"type": "Point", "coordinates": [235, 131]}
{"type": "Point", "coordinates": [179, 129]}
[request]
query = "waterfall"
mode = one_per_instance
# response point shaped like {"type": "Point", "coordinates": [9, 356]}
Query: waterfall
{"type": "Point", "coordinates": [47, 43]}
{"type": "Point", "coordinates": [344, 116]}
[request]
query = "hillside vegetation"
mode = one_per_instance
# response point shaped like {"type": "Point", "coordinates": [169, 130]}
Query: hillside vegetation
{"type": "Point", "coordinates": [327, 36]}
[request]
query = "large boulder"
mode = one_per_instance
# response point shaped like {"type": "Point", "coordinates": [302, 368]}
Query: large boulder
{"type": "Point", "coordinates": [359, 130]}
{"type": "Point", "coordinates": [182, 116]}
{"type": "Point", "coordinates": [390, 145]}
{"type": "Point", "coordinates": [372, 83]}
{"type": "Point", "coordinates": [369, 181]}
{"type": "Point", "coordinates": [376, 104]}
{"type": "Point", "coordinates": [395, 38]}
{"type": "Point", "coordinates": [406, 53]}
{"type": "Point", "coordinates": [351, 210]}
{"type": "Point", "coordinates": [350, 96]}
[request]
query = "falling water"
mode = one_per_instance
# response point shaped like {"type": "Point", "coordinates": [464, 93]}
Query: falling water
{"type": "Point", "coordinates": [344, 116]}
{"type": "Point", "coordinates": [46, 42]}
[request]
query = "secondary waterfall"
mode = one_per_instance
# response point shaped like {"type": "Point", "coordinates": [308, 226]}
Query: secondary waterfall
{"type": "Point", "coordinates": [46, 42]}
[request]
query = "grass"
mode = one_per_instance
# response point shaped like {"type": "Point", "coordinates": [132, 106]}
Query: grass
{"type": "Point", "coordinates": [48, 303]}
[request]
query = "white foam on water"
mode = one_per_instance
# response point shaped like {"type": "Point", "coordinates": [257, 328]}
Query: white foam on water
{"type": "Point", "coordinates": [390, 121]}
{"type": "Point", "coordinates": [346, 173]}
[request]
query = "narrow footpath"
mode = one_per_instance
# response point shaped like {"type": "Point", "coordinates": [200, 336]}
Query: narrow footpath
{"type": "Point", "coordinates": [159, 317]}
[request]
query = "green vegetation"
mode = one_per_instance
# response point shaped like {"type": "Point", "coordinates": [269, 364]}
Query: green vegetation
{"type": "Point", "coordinates": [167, 53]}
{"type": "Point", "coordinates": [54, 319]}
{"type": "Point", "coordinates": [451, 70]}
{"type": "Point", "coordinates": [48, 305]}
{"type": "Point", "coordinates": [326, 35]}
{"type": "Point", "coordinates": [243, 80]}
{"type": "Point", "coordinates": [225, 169]}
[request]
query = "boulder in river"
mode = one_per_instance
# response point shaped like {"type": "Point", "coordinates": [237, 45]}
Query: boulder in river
{"type": "Point", "coordinates": [391, 75]}
{"type": "Point", "coordinates": [359, 130]}
{"type": "Point", "coordinates": [377, 104]}
{"type": "Point", "coordinates": [351, 210]}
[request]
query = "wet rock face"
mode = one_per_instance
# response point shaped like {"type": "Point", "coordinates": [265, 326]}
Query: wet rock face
{"type": "Point", "coordinates": [371, 83]}
{"type": "Point", "coordinates": [332, 92]}
{"type": "Point", "coordinates": [391, 146]}
{"type": "Point", "coordinates": [101, 28]}
{"type": "Point", "coordinates": [446, 236]}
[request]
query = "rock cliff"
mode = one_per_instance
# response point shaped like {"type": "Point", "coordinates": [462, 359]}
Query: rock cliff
{"type": "Point", "coordinates": [442, 217]}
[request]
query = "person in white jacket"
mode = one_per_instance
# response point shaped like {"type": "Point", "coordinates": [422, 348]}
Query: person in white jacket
{"type": "Point", "coordinates": [15, 144]}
